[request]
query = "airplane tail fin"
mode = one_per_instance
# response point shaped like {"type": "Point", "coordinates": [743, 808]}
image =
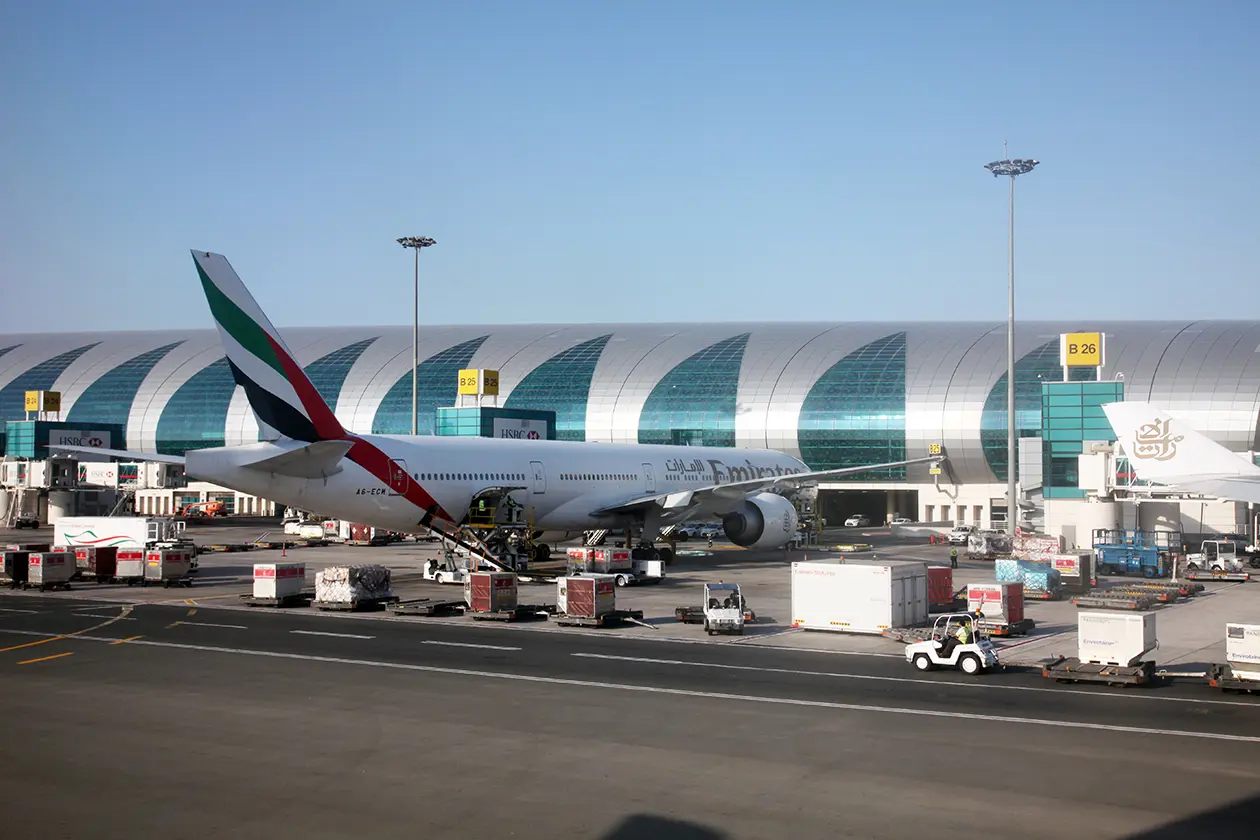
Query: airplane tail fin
{"type": "Point", "coordinates": [1166, 450]}
{"type": "Point", "coordinates": [283, 399]}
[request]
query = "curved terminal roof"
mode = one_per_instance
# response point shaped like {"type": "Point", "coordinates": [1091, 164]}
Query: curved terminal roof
{"type": "Point", "coordinates": [836, 394]}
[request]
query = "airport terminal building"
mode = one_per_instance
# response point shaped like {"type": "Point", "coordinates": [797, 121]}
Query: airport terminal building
{"type": "Point", "coordinates": [833, 394]}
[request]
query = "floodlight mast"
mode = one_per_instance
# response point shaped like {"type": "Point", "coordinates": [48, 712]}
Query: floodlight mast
{"type": "Point", "coordinates": [417, 243]}
{"type": "Point", "coordinates": [1011, 168]}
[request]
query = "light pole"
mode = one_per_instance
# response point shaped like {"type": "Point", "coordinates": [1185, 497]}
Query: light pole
{"type": "Point", "coordinates": [1012, 169]}
{"type": "Point", "coordinates": [416, 242]}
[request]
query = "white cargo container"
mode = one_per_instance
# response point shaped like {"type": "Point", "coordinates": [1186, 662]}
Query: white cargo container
{"type": "Point", "coordinates": [859, 597]}
{"type": "Point", "coordinates": [1120, 639]}
{"type": "Point", "coordinates": [164, 565]}
{"type": "Point", "coordinates": [50, 568]}
{"type": "Point", "coordinates": [278, 580]}
{"type": "Point", "coordinates": [1242, 650]}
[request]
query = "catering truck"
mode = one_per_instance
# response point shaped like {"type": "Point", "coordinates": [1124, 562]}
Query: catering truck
{"type": "Point", "coordinates": [136, 533]}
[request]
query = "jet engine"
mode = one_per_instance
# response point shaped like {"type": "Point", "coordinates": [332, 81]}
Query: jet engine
{"type": "Point", "coordinates": [766, 520]}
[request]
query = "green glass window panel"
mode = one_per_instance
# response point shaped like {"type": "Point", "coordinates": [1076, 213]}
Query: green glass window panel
{"type": "Point", "coordinates": [562, 384]}
{"type": "Point", "coordinates": [855, 414]}
{"type": "Point", "coordinates": [699, 393]}
{"type": "Point", "coordinates": [41, 377]}
{"type": "Point", "coordinates": [1032, 370]}
{"type": "Point", "coordinates": [109, 398]}
{"type": "Point", "coordinates": [437, 384]}
{"type": "Point", "coordinates": [195, 416]}
{"type": "Point", "coordinates": [328, 373]}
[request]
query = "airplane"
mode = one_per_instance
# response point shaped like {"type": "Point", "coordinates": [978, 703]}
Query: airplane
{"type": "Point", "coordinates": [306, 459]}
{"type": "Point", "coordinates": [1167, 451]}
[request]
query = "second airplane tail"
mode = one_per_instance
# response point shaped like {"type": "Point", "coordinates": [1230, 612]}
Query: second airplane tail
{"type": "Point", "coordinates": [1165, 450]}
{"type": "Point", "coordinates": [283, 399]}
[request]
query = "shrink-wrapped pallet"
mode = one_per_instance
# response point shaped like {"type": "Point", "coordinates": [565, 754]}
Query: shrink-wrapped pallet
{"type": "Point", "coordinates": [348, 584]}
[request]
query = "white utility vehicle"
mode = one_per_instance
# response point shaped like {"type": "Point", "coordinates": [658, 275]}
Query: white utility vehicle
{"type": "Point", "coordinates": [941, 650]}
{"type": "Point", "coordinates": [723, 608]}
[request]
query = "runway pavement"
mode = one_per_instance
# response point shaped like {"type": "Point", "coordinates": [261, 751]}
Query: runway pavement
{"type": "Point", "coordinates": [149, 720]}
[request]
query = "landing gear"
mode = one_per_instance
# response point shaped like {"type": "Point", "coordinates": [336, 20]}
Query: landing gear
{"type": "Point", "coordinates": [542, 552]}
{"type": "Point", "coordinates": [666, 555]}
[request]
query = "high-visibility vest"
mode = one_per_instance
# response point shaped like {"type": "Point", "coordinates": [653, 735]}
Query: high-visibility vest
{"type": "Point", "coordinates": [963, 634]}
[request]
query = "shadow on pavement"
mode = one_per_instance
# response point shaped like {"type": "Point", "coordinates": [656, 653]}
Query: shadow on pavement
{"type": "Point", "coordinates": [647, 827]}
{"type": "Point", "coordinates": [1237, 819]}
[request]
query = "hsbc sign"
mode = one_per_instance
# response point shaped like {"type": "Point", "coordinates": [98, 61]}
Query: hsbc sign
{"type": "Point", "coordinates": [81, 437]}
{"type": "Point", "coordinates": [512, 428]}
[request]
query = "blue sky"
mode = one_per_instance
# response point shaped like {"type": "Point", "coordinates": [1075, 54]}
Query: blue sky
{"type": "Point", "coordinates": [604, 161]}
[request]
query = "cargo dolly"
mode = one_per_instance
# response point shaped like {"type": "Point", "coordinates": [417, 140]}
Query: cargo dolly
{"type": "Point", "coordinates": [615, 618]}
{"type": "Point", "coordinates": [1116, 602]}
{"type": "Point", "coordinates": [1209, 574]}
{"type": "Point", "coordinates": [64, 586]}
{"type": "Point", "coordinates": [300, 599]}
{"type": "Point", "coordinates": [522, 612]}
{"type": "Point", "coordinates": [427, 607]}
{"type": "Point", "coordinates": [355, 605]}
{"type": "Point", "coordinates": [1222, 677]}
{"type": "Point", "coordinates": [1069, 669]}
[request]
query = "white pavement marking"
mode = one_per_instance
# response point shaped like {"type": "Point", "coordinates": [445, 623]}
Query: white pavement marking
{"type": "Point", "coordinates": [208, 624]}
{"type": "Point", "coordinates": [337, 635]}
{"type": "Point", "coordinates": [28, 612]}
{"type": "Point", "coordinates": [97, 615]}
{"type": "Point", "coordinates": [469, 645]}
{"type": "Point", "coordinates": [911, 680]}
{"type": "Point", "coordinates": [680, 692]}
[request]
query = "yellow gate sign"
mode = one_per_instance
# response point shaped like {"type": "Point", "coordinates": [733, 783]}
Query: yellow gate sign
{"type": "Point", "coordinates": [49, 401]}
{"type": "Point", "coordinates": [1083, 349]}
{"type": "Point", "coordinates": [479, 382]}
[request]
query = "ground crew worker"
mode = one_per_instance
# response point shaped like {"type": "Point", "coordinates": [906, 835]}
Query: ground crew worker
{"type": "Point", "coordinates": [710, 541]}
{"type": "Point", "coordinates": [953, 558]}
{"type": "Point", "coordinates": [961, 636]}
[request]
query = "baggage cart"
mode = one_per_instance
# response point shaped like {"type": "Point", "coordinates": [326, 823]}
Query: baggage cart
{"type": "Point", "coordinates": [427, 607]}
{"type": "Point", "coordinates": [49, 570]}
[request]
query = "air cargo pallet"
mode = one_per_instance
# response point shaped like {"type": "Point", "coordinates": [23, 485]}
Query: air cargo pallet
{"type": "Point", "coordinates": [524, 612]}
{"type": "Point", "coordinates": [1208, 574]}
{"type": "Point", "coordinates": [1182, 590]}
{"type": "Point", "coordinates": [427, 607]}
{"type": "Point", "coordinates": [354, 606]}
{"type": "Point", "coordinates": [1138, 602]}
{"type": "Point", "coordinates": [1070, 669]}
{"type": "Point", "coordinates": [301, 599]}
{"type": "Point", "coordinates": [611, 619]}
{"type": "Point", "coordinates": [1218, 677]}
{"type": "Point", "coordinates": [1042, 595]}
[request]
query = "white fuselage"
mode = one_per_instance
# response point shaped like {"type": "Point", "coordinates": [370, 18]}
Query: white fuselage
{"type": "Point", "coordinates": [560, 483]}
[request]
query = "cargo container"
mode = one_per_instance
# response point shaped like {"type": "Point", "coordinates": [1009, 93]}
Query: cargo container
{"type": "Point", "coordinates": [124, 532]}
{"type": "Point", "coordinates": [490, 591]}
{"type": "Point", "coordinates": [613, 559]}
{"type": "Point", "coordinates": [96, 562]}
{"type": "Point", "coordinates": [859, 597]}
{"type": "Point", "coordinates": [940, 586]}
{"type": "Point", "coordinates": [50, 568]}
{"type": "Point", "coordinates": [165, 565]}
{"type": "Point", "coordinates": [590, 596]}
{"type": "Point", "coordinates": [1120, 639]}
{"type": "Point", "coordinates": [279, 580]}
{"type": "Point", "coordinates": [1076, 570]}
{"type": "Point", "coordinates": [1001, 603]}
{"type": "Point", "coordinates": [130, 565]}
{"type": "Point", "coordinates": [1242, 650]}
{"type": "Point", "coordinates": [13, 567]}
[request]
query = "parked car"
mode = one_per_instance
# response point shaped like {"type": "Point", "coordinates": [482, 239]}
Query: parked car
{"type": "Point", "coordinates": [960, 534]}
{"type": "Point", "coordinates": [857, 520]}
{"type": "Point", "coordinates": [902, 520]}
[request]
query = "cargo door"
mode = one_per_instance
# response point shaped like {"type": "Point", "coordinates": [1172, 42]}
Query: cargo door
{"type": "Point", "coordinates": [919, 602]}
{"type": "Point", "coordinates": [649, 479]}
{"type": "Point", "coordinates": [397, 476]}
{"type": "Point", "coordinates": [897, 612]}
{"type": "Point", "coordinates": [540, 477]}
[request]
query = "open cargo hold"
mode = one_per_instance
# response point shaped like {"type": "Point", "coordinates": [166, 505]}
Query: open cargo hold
{"type": "Point", "coordinates": [350, 585]}
{"type": "Point", "coordinates": [50, 568]}
{"type": "Point", "coordinates": [279, 580]}
{"type": "Point", "coordinates": [13, 567]}
{"type": "Point", "coordinates": [859, 597]}
{"type": "Point", "coordinates": [940, 586]}
{"type": "Point", "coordinates": [589, 596]}
{"type": "Point", "coordinates": [1002, 603]}
{"type": "Point", "coordinates": [97, 562]}
{"type": "Point", "coordinates": [490, 591]}
{"type": "Point", "coordinates": [1115, 638]}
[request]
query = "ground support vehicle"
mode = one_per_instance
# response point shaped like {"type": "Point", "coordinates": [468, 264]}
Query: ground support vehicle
{"type": "Point", "coordinates": [723, 608]}
{"type": "Point", "coordinates": [427, 607]}
{"type": "Point", "coordinates": [973, 657]}
{"type": "Point", "coordinates": [609, 619]}
{"type": "Point", "coordinates": [1226, 679]}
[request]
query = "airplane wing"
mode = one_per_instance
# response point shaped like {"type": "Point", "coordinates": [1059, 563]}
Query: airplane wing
{"type": "Point", "coordinates": [679, 501]}
{"type": "Point", "coordinates": [121, 453]}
